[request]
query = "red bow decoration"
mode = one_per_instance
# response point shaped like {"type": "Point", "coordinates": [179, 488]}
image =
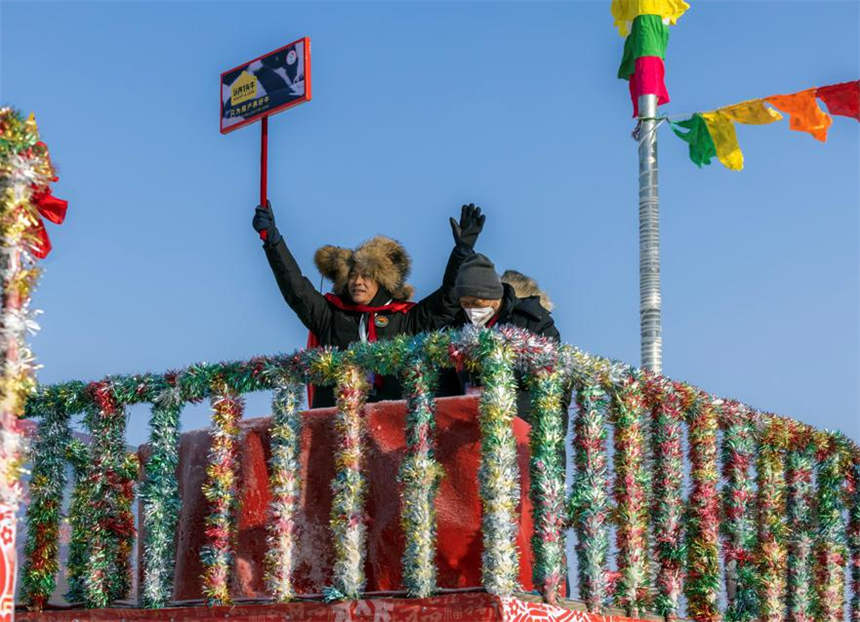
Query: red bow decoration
{"type": "Point", "coordinates": [49, 207]}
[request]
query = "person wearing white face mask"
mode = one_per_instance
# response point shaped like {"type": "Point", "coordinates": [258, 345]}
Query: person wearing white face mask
{"type": "Point", "coordinates": [486, 301]}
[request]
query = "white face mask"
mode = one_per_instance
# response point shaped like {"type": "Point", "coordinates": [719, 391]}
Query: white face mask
{"type": "Point", "coordinates": [480, 315]}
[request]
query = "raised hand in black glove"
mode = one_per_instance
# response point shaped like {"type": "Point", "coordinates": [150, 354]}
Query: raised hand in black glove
{"type": "Point", "coordinates": [471, 222]}
{"type": "Point", "coordinates": [264, 220]}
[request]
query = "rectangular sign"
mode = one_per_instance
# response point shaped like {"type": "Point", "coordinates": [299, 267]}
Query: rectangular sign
{"type": "Point", "coordinates": [266, 85]}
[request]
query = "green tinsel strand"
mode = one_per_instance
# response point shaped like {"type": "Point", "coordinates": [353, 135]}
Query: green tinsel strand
{"type": "Point", "coordinates": [285, 484]}
{"type": "Point", "coordinates": [547, 483]}
{"type": "Point", "coordinates": [801, 581]}
{"type": "Point", "coordinates": [498, 474]}
{"type": "Point", "coordinates": [160, 496]}
{"type": "Point", "coordinates": [739, 526]}
{"type": "Point", "coordinates": [830, 547]}
{"type": "Point", "coordinates": [78, 456]}
{"type": "Point", "coordinates": [420, 474]}
{"type": "Point", "coordinates": [631, 488]}
{"type": "Point", "coordinates": [112, 524]}
{"type": "Point", "coordinates": [47, 482]}
{"type": "Point", "coordinates": [589, 501]}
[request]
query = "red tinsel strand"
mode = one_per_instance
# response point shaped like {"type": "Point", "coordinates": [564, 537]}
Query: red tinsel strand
{"type": "Point", "coordinates": [631, 496]}
{"type": "Point", "coordinates": [667, 504]}
{"type": "Point", "coordinates": [703, 569]}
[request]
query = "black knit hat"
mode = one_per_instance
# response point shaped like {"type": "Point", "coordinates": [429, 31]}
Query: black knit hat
{"type": "Point", "coordinates": [477, 277]}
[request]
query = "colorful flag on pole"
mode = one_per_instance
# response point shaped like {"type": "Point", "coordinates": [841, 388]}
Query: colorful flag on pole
{"type": "Point", "coordinates": [645, 23]}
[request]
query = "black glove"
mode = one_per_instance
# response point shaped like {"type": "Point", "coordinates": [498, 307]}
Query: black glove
{"type": "Point", "coordinates": [264, 220]}
{"type": "Point", "coordinates": [471, 223]}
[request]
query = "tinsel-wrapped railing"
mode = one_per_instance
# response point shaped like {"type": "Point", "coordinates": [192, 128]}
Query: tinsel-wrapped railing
{"type": "Point", "coordinates": [771, 516]}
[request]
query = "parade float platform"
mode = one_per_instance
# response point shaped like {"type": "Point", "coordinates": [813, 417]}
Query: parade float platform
{"type": "Point", "coordinates": [458, 607]}
{"type": "Point", "coordinates": [458, 506]}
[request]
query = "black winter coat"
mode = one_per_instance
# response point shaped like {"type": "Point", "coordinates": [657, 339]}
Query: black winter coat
{"type": "Point", "coordinates": [339, 328]}
{"type": "Point", "coordinates": [524, 313]}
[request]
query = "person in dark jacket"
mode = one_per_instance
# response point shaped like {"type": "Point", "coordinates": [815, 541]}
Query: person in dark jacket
{"type": "Point", "coordinates": [485, 300]}
{"type": "Point", "coordinates": [370, 297]}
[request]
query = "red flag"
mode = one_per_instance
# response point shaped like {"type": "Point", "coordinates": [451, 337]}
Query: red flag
{"type": "Point", "coordinates": [841, 99]}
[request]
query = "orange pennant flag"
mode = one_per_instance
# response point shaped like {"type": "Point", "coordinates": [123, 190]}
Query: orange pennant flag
{"type": "Point", "coordinates": [804, 112]}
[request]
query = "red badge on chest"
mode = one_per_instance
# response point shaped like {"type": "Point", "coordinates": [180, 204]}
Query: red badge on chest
{"type": "Point", "coordinates": [381, 321]}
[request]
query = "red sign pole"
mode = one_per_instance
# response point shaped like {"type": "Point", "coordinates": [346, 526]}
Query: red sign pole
{"type": "Point", "coordinates": [264, 158]}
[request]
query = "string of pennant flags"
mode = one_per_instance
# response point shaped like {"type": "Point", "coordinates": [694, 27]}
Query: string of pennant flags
{"type": "Point", "coordinates": [712, 134]}
{"type": "Point", "coordinates": [645, 26]}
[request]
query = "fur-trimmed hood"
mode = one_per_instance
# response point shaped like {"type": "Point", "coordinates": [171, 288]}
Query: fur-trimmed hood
{"type": "Point", "coordinates": [525, 286]}
{"type": "Point", "coordinates": [380, 258]}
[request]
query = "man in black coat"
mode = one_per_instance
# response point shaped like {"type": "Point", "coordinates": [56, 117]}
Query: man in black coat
{"type": "Point", "coordinates": [370, 297]}
{"type": "Point", "coordinates": [485, 300]}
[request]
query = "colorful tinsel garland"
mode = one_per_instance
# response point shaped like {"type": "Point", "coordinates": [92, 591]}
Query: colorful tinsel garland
{"type": "Point", "coordinates": [44, 513]}
{"type": "Point", "coordinates": [739, 525]}
{"type": "Point", "coordinates": [830, 546]}
{"type": "Point", "coordinates": [285, 484]}
{"type": "Point", "coordinates": [589, 501]}
{"type": "Point", "coordinates": [632, 491]}
{"type": "Point", "coordinates": [78, 455]}
{"type": "Point", "coordinates": [854, 536]}
{"type": "Point", "coordinates": [799, 475]}
{"type": "Point", "coordinates": [547, 466]}
{"type": "Point", "coordinates": [349, 487]}
{"type": "Point", "coordinates": [498, 474]}
{"type": "Point", "coordinates": [703, 566]}
{"type": "Point", "coordinates": [110, 483]}
{"type": "Point", "coordinates": [220, 491]}
{"type": "Point", "coordinates": [420, 474]}
{"type": "Point", "coordinates": [160, 496]}
{"type": "Point", "coordinates": [667, 506]}
{"type": "Point", "coordinates": [499, 352]}
{"type": "Point", "coordinates": [772, 548]}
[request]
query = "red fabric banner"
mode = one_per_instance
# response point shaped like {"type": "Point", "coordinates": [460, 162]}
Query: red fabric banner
{"type": "Point", "coordinates": [463, 607]}
{"type": "Point", "coordinates": [841, 99]}
{"type": "Point", "coordinates": [648, 79]}
{"type": "Point", "coordinates": [8, 567]}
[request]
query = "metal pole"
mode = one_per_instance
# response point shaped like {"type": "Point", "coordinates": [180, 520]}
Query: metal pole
{"type": "Point", "coordinates": [650, 322]}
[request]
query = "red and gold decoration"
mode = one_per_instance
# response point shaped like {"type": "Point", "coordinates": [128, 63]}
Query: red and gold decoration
{"type": "Point", "coordinates": [26, 174]}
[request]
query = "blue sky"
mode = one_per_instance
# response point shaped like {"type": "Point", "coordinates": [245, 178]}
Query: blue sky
{"type": "Point", "coordinates": [418, 108]}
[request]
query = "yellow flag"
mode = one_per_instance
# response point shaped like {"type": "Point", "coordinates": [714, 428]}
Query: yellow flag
{"type": "Point", "coordinates": [625, 11]}
{"type": "Point", "coordinates": [752, 112]}
{"type": "Point", "coordinates": [804, 113]}
{"type": "Point", "coordinates": [722, 131]}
